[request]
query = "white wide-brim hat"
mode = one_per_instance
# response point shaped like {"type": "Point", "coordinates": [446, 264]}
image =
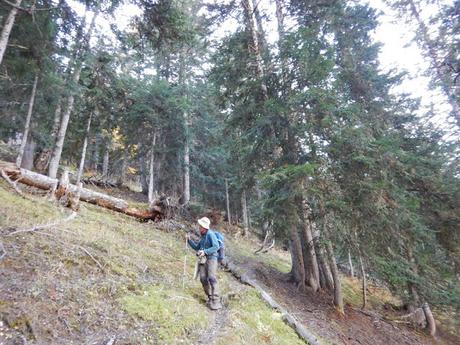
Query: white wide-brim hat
{"type": "Point", "coordinates": [204, 222]}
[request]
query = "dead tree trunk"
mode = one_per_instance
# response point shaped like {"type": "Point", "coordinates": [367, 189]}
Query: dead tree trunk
{"type": "Point", "coordinates": [47, 183]}
{"type": "Point", "coordinates": [7, 27]}
{"type": "Point", "coordinates": [27, 125]}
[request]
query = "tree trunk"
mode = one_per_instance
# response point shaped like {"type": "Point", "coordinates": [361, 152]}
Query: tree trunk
{"type": "Point", "coordinates": [326, 279]}
{"type": "Point", "coordinates": [311, 263]}
{"type": "Point", "coordinates": [43, 160]}
{"type": "Point", "coordinates": [27, 125]}
{"type": "Point", "coordinates": [364, 282]}
{"type": "Point", "coordinates": [186, 192]}
{"type": "Point", "coordinates": [151, 171]}
{"type": "Point", "coordinates": [254, 46]}
{"type": "Point", "coordinates": [298, 267]}
{"type": "Point", "coordinates": [124, 166]}
{"type": "Point", "coordinates": [350, 264]}
{"type": "Point", "coordinates": [96, 149]}
{"type": "Point", "coordinates": [244, 210]}
{"type": "Point", "coordinates": [83, 151]}
{"type": "Point", "coordinates": [429, 319]}
{"type": "Point", "coordinates": [338, 298]}
{"type": "Point", "coordinates": [105, 164]}
{"type": "Point", "coordinates": [29, 153]}
{"type": "Point", "coordinates": [227, 199]}
{"type": "Point", "coordinates": [7, 27]}
{"type": "Point", "coordinates": [57, 152]}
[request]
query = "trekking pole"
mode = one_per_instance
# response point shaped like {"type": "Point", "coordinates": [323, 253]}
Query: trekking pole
{"type": "Point", "coordinates": [185, 264]}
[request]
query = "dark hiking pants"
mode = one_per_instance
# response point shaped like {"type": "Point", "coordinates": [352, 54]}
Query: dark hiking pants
{"type": "Point", "coordinates": [208, 278]}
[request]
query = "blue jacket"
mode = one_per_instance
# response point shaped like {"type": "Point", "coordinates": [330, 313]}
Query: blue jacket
{"type": "Point", "coordinates": [208, 243]}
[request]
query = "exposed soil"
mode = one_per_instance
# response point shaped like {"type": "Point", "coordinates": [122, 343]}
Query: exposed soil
{"type": "Point", "coordinates": [317, 313]}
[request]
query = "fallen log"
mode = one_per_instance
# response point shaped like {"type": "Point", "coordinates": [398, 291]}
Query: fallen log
{"type": "Point", "coordinates": [43, 182]}
{"type": "Point", "coordinates": [290, 320]}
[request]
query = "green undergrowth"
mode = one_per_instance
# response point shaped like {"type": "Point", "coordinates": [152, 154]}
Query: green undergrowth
{"type": "Point", "coordinates": [253, 323]}
{"type": "Point", "coordinates": [106, 269]}
{"type": "Point", "coordinates": [176, 315]}
{"type": "Point", "coordinates": [276, 258]}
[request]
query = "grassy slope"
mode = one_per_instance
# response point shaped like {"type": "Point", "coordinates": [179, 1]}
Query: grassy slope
{"type": "Point", "coordinates": [52, 291]}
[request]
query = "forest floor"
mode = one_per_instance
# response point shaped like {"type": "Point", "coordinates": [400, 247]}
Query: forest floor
{"type": "Point", "coordinates": [105, 278]}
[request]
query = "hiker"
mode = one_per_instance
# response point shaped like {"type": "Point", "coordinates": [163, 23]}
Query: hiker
{"type": "Point", "coordinates": [207, 249]}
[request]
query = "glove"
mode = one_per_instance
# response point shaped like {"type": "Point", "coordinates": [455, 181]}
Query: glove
{"type": "Point", "coordinates": [200, 253]}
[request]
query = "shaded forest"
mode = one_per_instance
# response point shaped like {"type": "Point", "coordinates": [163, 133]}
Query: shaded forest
{"type": "Point", "coordinates": [299, 139]}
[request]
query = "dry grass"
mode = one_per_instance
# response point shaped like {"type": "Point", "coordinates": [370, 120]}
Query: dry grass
{"type": "Point", "coordinates": [137, 295]}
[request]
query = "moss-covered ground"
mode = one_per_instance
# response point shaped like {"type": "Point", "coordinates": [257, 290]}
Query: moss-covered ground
{"type": "Point", "coordinates": [106, 276]}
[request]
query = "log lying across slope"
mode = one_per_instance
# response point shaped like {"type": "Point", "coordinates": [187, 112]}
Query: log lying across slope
{"type": "Point", "coordinates": [36, 180]}
{"type": "Point", "coordinates": [290, 320]}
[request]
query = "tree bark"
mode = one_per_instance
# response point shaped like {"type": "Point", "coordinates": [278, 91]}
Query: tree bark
{"type": "Point", "coordinates": [83, 151]}
{"type": "Point", "coordinates": [105, 164]}
{"type": "Point", "coordinates": [430, 319]}
{"type": "Point", "coordinates": [298, 267]}
{"type": "Point", "coordinates": [350, 263]}
{"type": "Point", "coordinates": [124, 166]}
{"type": "Point", "coordinates": [151, 171]}
{"type": "Point", "coordinates": [186, 192]}
{"type": "Point", "coordinates": [96, 150]}
{"type": "Point", "coordinates": [29, 153]}
{"type": "Point", "coordinates": [338, 298]}
{"type": "Point", "coordinates": [43, 160]}
{"type": "Point", "coordinates": [227, 199]}
{"type": "Point", "coordinates": [364, 282]}
{"type": "Point", "coordinates": [57, 152]}
{"type": "Point", "coordinates": [311, 263]}
{"type": "Point", "coordinates": [27, 125]}
{"type": "Point", "coordinates": [7, 27]}
{"type": "Point", "coordinates": [244, 209]}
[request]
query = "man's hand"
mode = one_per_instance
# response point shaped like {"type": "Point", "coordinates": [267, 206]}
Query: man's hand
{"type": "Point", "coordinates": [200, 253]}
{"type": "Point", "coordinates": [188, 236]}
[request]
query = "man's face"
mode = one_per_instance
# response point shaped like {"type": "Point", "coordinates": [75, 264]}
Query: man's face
{"type": "Point", "coordinates": [202, 230]}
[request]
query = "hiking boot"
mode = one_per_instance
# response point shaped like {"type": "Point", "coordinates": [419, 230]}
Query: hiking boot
{"type": "Point", "coordinates": [208, 301]}
{"type": "Point", "coordinates": [215, 303]}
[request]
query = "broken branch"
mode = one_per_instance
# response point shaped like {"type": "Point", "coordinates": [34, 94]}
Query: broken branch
{"type": "Point", "coordinates": [45, 226]}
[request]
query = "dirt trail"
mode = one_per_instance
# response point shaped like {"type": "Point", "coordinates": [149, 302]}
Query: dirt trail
{"type": "Point", "coordinates": [316, 312]}
{"type": "Point", "coordinates": [217, 326]}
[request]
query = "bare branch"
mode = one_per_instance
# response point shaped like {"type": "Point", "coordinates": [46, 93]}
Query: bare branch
{"type": "Point", "coordinates": [12, 184]}
{"type": "Point", "coordinates": [45, 226]}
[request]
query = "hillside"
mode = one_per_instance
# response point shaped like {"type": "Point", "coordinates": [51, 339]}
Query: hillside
{"type": "Point", "coordinates": [105, 278]}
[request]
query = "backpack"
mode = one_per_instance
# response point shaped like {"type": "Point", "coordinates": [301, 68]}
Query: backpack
{"type": "Point", "coordinates": [220, 239]}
